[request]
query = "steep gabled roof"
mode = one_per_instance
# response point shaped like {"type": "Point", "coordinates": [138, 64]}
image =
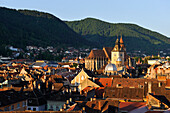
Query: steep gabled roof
{"type": "Point", "coordinates": [86, 83]}
{"type": "Point", "coordinates": [97, 54]}
{"type": "Point", "coordinates": [162, 99]}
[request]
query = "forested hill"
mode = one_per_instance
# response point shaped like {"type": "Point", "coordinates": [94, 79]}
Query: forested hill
{"type": "Point", "coordinates": [134, 36]}
{"type": "Point", "coordinates": [20, 28]}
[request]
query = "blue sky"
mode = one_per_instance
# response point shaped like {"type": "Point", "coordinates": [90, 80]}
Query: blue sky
{"type": "Point", "coordinates": [151, 14]}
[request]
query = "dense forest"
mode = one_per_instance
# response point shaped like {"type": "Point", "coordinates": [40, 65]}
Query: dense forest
{"type": "Point", "coordinates": [20, 28]}
{"type": "Point", "coordinates": [134, 36]}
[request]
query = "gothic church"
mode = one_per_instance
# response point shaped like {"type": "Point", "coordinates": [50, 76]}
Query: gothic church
{"type": "Point", "coordinates": [98, 59]}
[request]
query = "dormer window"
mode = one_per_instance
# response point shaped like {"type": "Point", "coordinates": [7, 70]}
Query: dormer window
{"type": "Point", "coordinates": [118, 85]}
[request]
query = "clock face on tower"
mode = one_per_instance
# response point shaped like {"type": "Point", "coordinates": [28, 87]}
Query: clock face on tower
{"type": "Point", "coordinates": [82, 77]}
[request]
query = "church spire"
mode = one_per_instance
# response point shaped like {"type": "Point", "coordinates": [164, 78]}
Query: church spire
{"type": "Point", "coordinates": [117, 41]}
{"type": "Point", "coordinates": [121, 40]}
{"type": "Point", "coordinates": [117, 45]}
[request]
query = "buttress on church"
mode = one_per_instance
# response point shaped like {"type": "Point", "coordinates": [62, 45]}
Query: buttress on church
{"type": "Point", "coordinates": [109, 59]}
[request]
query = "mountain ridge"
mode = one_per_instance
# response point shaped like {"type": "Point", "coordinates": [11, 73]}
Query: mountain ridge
{"type": "Point", "coordinates": [20, 28]}
{"type": "Point", "coordinates": [36, 28]}
{"type": "Point", "coordinates": [103, 32]}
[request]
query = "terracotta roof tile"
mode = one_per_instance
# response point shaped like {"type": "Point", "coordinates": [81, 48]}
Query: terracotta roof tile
{"type": "Point", "coordinates": [168, 83]}
{"type": "Point", "coordinates": [97, 54]}
{"type": "Point", "coordinates": [124, 93]}
{"type": "Point", "coordinates": [101, 105]}
{"type": "Point", "coordinates": [129, 106]}
{"type": "Point", "coordinates": [104, 82]}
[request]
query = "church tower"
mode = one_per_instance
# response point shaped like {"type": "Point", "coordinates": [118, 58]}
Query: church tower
{"type": "Point", "coordinates": [122, 44]}
{"type": "Point", "coordinates": [118, 53]}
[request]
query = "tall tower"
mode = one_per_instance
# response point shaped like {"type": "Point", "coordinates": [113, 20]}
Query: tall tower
{"type": "Point", "coordinates": [118, 53]}
{"type": "Point", "coordinates": [122, 43]}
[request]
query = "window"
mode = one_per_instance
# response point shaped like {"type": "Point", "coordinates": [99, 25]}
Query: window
{"type": "Point", "coordinates": [118, 85]}
{"type": "Point", "coordinates": [34, 109]}
{"type": "Point", "coordinates": [29, 108]}
{"type": "Point", "coordinates": [51, 107]}
{"type": "Point", "coordinates": [23, 103]}
{"type": "Point", "coordinates": [18, 105]}
{"type": "Point", "coordinates": [160, 84]}
{"type": "Point", "coordinates": [82, 77]}
{"type": "Point", "coordinates": [57, 108]}
{"type": "Point", "coordinates": [6, 109]}
{"type": "Point", "coordinates": [12, 107]}
{"type": "Point", "coordinates": [120, 54]}
{"type": "Point", "coordinates": [106, 84]}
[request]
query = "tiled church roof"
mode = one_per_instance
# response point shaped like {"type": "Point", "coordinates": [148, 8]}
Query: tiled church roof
{"type": "Point", "coordinates": [97, 54]}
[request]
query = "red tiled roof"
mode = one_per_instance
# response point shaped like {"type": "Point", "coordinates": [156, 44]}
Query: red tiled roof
{"type": "Point", "coordinates": [128, 82]}
{"type": "Point", "coordinates": [97, 54]}
{"type": "Point", "coordinates": [168, 83]}
{"type": "Point", "coordinates": [101, 105]}
{"type": "Point", "coordinates": [129, 106]}
{"type": "Point", "coordinates": [105, 82]}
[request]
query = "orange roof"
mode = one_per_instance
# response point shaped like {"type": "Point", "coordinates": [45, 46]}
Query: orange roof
{"type": "Point", "coordinates": [161, 78]}
{"type": "Point", "coordinates": [105, 82]}
{"type": "Point", "coordinates": [121, 40]}
{"type": "Point", "coordinates": [97, 54]}
{"type": "Point", "coordinates": [88, 88]}
{"type": "Point", "coordinates": [129, 106]}
{"type": "Point", "coordinates": [168, 83]}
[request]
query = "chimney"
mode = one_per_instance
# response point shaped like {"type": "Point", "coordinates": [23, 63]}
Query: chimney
{"type": "Point", "coordinates": [149, 87]}
{"type": "Point", "coordinates": [103, 95]}
{"type": "Point", "coordinates": [99, 105]}
{"type": "Point", "coordinates": [67, 102]}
